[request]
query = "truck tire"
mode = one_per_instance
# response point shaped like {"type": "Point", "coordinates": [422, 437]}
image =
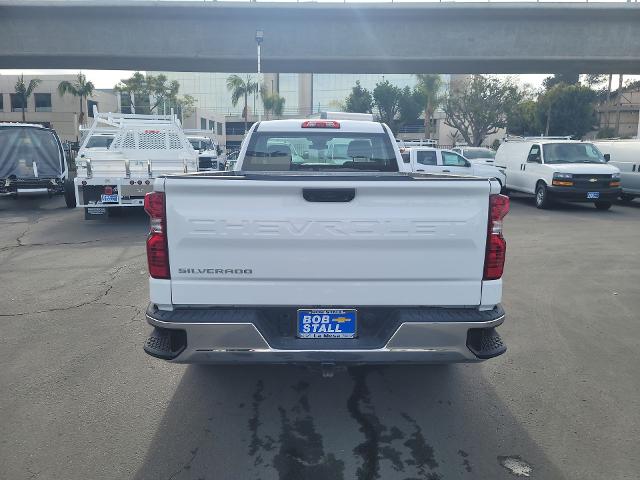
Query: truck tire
{"type": "Point", "coordinates": [603, 205]}
{"type": "Point", "coordinates": [69, 193]}
{"type": "Point", "coordinates": [542, 196]}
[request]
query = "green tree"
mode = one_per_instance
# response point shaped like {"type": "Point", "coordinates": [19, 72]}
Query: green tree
{"type": "Point", "coordinates": [138, 88]}
{"type": "Point", "coordinates": [273, 103]}
{"type": "Point", "coordinates": [410, 105]}
{"type": "Point", "coordinates": [163, 91]}
{"type": "Point", "coordinates": [481, 107]}
{"type": "Point", "coordinates": [430, 87]}
{"type": "Point", "coordinates": [570, 78]}
{"type": "Point", "coordinates": [184, 105]}
{"type": "Point", "coordinates": [359, 100]}
{"type": "Point", "coordinates": [239, 88]}
{"type": "Point", "coordinates": [386, 97]}
{"type": "Point", "coordinates": [80, 88]}
{"type": "Point", "coordinates": [523, 120]}
{"type": "Point", "coordinates": [567, 110]}
{"type": "Point", "coordinates": [24, 91]}
{"type": "Point", "coordinates": [595, 79]}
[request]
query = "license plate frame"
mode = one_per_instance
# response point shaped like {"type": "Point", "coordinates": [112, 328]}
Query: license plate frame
{"type": "Point", "coordinates": [593, 195]}
{"type": "Point", "coordinates": [113, 198]}
{"type": "Point", "coordinates": [312, 323]}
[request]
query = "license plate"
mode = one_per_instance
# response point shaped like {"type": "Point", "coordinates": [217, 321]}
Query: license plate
{"type": "Point", "coordinates": [109, 198]}
{"type": "Point", "coordinates": [327, 323]}
{"type": "Point", "coordinates": [593, 195]}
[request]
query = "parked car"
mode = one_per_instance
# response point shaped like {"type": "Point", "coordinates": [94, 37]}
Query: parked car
{"type": "Point", "coordinates": [559, 169]}
{"type": "Point", "coordinates": [32, 160]}
{"type": "Point", "coordinates": [433, 160]}
{"type": "Point", "coordinates": [477, 154]}
{"type": "Point", "coordinates": [324, 259]}
{"type": "Point", "coordinates": [625, 155]}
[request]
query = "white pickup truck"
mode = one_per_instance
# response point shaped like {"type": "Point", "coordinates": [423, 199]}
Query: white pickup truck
{"type": "Point", "coordinates": [436, 160]}
{"type": "Point", "coordinates": [323, 248]}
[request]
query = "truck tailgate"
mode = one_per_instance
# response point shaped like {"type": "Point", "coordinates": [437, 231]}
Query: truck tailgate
{"type": "Point", "coordinates": [259, 242]}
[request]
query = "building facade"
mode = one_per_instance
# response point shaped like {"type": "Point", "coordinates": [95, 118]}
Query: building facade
{"type": "Point", "coordinates": [45, 106]}
{"type": "Point", "coordinates": [620, 117]}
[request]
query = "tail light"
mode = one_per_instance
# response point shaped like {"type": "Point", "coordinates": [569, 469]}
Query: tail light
{"type": "Point", "coordinates": [496, 244]}
{"type": "Point", "coordinates": [157, 248]}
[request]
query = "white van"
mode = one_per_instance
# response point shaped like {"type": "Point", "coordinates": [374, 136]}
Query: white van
{"type": "Point", "coordinates": [434, 160]}
{"type": "Point", "coordinates": [552, 168]}
{"type": "Point", "coordinates": [625, 155]}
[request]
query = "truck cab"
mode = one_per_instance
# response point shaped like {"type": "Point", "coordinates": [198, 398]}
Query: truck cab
{"type": "Point", "coordinates": [207, 152]}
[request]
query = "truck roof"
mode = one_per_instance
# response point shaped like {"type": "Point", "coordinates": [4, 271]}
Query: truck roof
{"type": "Point", "coordinates": [295, 125]}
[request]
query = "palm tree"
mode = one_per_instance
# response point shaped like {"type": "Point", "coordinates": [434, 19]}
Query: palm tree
{"type": "Point", "coordinates": [24, 91]}
{"type": "Point", "coordinates": [80, 88]}
{"type": "Point", "coordinates": [278, 105]}
{"type": "Point", "coordinates": [429, 85]}
{"type": "Point", "coordinates": [239, 88]}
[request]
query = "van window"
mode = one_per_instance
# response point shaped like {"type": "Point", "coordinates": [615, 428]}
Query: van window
{"type": "Point", "coordinates": [534, 155]}
{"type": "Point", "coordinates": [450, 159]}
{"type": "Point", "coordinates": [572, 153]}
{"type": "Point", "coordinates": [426, 157]}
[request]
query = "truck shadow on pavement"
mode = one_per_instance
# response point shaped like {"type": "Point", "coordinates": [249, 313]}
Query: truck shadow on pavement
{"type": "Point", "coordinates": [289, 423]}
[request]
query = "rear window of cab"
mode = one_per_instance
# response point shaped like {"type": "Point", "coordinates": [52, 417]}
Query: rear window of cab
{"type": "Point", "coordinates": [320, 151]}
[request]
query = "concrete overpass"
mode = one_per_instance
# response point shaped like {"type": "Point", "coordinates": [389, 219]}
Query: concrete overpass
{"type": "Point", "coordinates": [322, 37]}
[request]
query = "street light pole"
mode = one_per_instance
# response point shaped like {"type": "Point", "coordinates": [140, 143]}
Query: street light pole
{"type": "Point", "coordinates": [259, 38]}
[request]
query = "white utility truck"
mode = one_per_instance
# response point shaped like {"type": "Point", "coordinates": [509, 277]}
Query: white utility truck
{"type": "Point", "coordinates": [142, 148]}
{"type": "Point", "coordinates": [326, 256]}
{"type": "Point", "coordinates": [206, 148]}
{"type": "Point", "coordinates": [435, 160]}
{"type": "Point", "coordinates": [625, 155]}
{"type": "Point", "coordinates": [557, 168]}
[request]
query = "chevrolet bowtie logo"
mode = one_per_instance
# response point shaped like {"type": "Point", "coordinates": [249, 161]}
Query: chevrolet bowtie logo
{"type": "Point", "coordinates": [341, 319]}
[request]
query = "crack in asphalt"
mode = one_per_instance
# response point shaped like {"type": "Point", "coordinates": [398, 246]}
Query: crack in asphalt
{"type": "Point", "coordinates": [186, 466]}
{"type": "Point", "coordinates": [46, 244]}
{"type": "Point", "coordinates": [96, 299]}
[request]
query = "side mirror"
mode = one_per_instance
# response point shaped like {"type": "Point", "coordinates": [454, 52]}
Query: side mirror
{"type": "Point", "coordinates": [467, 163]}
{"type": "Point", "coordinates": [607, 157]}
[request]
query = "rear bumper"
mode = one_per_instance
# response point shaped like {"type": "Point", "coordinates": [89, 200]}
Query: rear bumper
{"type": "Point", "coordinates": [240, 336]}
{"type": "Point", "coordinates": [572, 194]}
{"type": "Point", "coordinates": [32, 186]}
{"type": "Point", "coordinates": [129, 195]}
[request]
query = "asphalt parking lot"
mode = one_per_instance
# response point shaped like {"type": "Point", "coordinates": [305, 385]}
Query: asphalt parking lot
{"type": "Point", "coordinates": [80, 400]}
